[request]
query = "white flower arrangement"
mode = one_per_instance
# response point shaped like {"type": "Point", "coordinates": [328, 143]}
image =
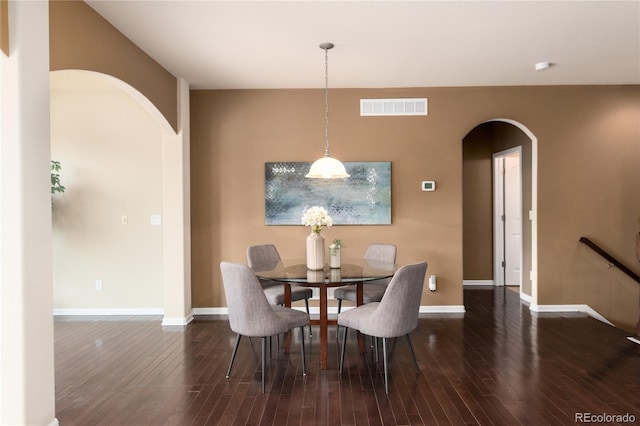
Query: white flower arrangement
{"type": "Point", "coordinates": [317, 218]}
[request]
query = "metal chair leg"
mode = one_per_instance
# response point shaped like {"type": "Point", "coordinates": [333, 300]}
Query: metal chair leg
{"type": "Point", "coordinates": [339, 305]}
{"type": "Point", "coordinates": [304, 363]}
{"type": "Point", "coordinates": [413, 354]}
{"type": "Point", "coordinates": [264, 360]}
{"type": "Point", "coordinates": [306, 304]}
{"type": "Point", "coordinates": [233, 355]}
{"type": "Point", "coordinates": [344, 345]}
{"type": "Point", "coordinates": [386, 370]}
{"type": "Point", "coordinates": [375, 339]}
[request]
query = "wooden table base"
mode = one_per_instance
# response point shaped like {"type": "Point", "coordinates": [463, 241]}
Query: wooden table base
{"type": "Point", "coordinates": [324, 322]}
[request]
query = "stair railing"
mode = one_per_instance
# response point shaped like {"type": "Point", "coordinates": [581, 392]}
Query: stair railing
{"type": "Point", "coordinates": [615, 262]}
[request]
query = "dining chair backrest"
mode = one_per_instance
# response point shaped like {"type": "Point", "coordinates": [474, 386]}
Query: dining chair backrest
{"type": "Point", "coordinates": [397, 312]}
{"type": "Point", "coordinates": [262, 257]}
{"type": "Point", "coordinates": [381, 253]}
{"type": "Point", "coordinates": [249, 311]}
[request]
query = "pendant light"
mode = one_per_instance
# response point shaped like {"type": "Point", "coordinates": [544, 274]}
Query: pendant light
{"type": "Point", "coordinates": [327, 167]}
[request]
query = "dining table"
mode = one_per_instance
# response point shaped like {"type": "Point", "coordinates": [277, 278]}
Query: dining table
{"type": "Point", "coordinates": [351, 272]}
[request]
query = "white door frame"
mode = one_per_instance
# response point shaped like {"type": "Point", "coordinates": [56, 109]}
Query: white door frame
{"type": "Point", "coordinates": [498, 215]}
{"type": "Point", "coordinates": [533, 213]}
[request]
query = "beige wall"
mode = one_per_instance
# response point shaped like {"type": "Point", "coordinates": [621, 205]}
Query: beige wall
{"type": "Point", "coordinates": [81, 39]}
{"type": "Point", "coordinates": [588, 168]}
{"type": "Point", "coordinates": [111, 154]}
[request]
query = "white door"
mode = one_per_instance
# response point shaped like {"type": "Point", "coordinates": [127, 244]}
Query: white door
{"type": "Point", "coordinates": [507, 218]}
{"type": "Point", "coordinates": [513, 220]}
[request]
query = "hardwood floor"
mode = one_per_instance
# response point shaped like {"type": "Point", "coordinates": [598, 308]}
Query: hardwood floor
{"type": "Point", "coordinates": [496, 364]}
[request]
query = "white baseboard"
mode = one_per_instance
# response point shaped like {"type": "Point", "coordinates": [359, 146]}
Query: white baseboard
{"type": "Point", "coordinates": [634, 339]}
{"type": "Point", "coordinates": [571, 308]}
{"type": "Point", "coordinates": [210, 311]}
{"type": "Point", "coordinates": [442, 309]}
{"type": "Point", "coordinates": [109, 311]}
{"type": "Point", "coordinates": [178, 321]}
{"type": "Point", "coordinates": [471, 283]}
{"type": "Point", "coordinates": [525, 298]}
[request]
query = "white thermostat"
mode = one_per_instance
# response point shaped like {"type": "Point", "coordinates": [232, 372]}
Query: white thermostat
{"type": "Point", "coordinates": [428, 185]}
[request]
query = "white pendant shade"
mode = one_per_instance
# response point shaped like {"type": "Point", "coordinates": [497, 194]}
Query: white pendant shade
{"type": "Point", "coordinates": [327, 168]}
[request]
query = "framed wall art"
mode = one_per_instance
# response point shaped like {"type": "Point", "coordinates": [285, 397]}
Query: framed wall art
{"type": "Point", "coordinates": [362, 199]}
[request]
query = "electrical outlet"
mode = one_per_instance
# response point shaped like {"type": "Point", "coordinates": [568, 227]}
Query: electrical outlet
{"type": "Point", "coordinates": [98, 285]}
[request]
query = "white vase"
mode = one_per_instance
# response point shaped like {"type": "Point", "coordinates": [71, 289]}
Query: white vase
{"type": "Point", "coordinates": [315, 276]}
{"type": "Point", "coordinates": [334, 256]}
{"type": "Point", "coordinates": [315, 251]}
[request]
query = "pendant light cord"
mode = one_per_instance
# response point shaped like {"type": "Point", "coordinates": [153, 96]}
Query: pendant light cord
{"type": "Point", "coordinates": [326, 101]}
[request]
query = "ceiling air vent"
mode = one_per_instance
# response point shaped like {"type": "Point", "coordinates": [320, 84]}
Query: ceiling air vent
{"type": "Point", "coordinates": [407, 106]}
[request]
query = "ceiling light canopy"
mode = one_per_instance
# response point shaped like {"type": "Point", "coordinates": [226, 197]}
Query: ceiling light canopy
{"type": "Point", "coordinates": [327, 167]}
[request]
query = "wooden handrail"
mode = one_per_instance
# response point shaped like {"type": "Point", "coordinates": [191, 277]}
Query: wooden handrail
{"type": "Point", "coordinates": [612, 260]}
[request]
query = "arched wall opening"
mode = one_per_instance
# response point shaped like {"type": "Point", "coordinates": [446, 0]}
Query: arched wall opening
{"type": "Point", "coordinates": [479, 145]}
{"type": "Point", "coordinates": [110, 226]}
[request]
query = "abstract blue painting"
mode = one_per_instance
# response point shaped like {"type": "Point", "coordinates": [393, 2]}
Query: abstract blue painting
{"type": "Point", "coordinates": [362, 199]}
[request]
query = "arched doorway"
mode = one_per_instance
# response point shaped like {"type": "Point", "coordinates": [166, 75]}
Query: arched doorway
{"type": "Point", "coordinates": [479, 147]}
{"type": "Point", "coordinates": [112, 224]}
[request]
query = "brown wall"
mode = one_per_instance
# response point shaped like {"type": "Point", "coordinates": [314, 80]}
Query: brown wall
{"type": "Point", "coordinates": [4, 26]}
{"type": "Point", "coordinates": [588, 167]}
{"type": "Point", "coordinates": [477, 187]}
{"type": "Point", "coordinates": [81, 39]}
{"type": "Point", "coordinates": [588, 180]}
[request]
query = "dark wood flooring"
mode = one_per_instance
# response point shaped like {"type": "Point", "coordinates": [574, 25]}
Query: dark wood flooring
{"type": "Point", "coordinates": [496, 364]}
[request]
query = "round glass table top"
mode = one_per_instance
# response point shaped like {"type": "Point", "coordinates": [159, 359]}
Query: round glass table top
{"type": "Point", "coordinates": [351, 271]}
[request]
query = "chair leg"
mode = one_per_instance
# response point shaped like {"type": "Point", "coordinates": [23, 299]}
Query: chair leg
{"type": "Point", "coordinates": [339, 309]}
{"type": "Point", "coordinates": [304, 363]}
{"type": "Point", "coordinates": [233, 355]}
{"type": "Point", "coordinates": [413, 354]}
{"type": "Point", "coordinates": [375, 339]}
{"type": "Point", "coordinates": [306, 304]}
{"type": "Point", "coordinates": [386, 370]}
{"type": "Point", "coordinates": [344, 345]}
{"type": "Point", "coordinates": [264, 360]}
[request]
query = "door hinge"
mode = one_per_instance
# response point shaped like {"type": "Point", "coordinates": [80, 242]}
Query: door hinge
{"type": "Point", "coordinates": [503, 218]}
{"type": "Point", "coordinates": [504, 264]}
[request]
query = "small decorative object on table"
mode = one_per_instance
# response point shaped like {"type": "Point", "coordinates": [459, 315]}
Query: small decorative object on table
{"type": "Point", "coordinates": [334, 253]}
{"type": "Point", "coordinates": [317, 218]}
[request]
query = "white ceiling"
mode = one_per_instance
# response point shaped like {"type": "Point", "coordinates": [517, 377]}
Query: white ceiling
{"type": "Point", "coordinates": [274, 44]}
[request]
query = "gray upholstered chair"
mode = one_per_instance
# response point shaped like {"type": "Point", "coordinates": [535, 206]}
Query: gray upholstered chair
{"type": "Point", "coordinates": [372, 291]}
{"type": "Point", "coordinates": [251, 315]}
{"type": "Point", "coordinates": [395, 315]}
{"type": "Point", "coordinates": [265, 257]}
